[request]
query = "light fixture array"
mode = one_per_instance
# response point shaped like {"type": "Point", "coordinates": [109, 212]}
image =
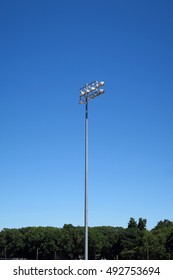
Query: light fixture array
{"type": "Point", "coordinates": [90, 91]}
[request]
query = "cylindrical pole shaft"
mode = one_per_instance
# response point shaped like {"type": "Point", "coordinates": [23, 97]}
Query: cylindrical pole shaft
{"type": "Point", "coordinates": [86, 181]}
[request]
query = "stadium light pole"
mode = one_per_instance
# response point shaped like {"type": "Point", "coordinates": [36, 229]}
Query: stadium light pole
{"type": "Point", "coordinates": [88, 92]}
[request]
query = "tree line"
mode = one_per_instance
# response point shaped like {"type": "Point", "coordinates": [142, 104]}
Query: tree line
{"type": "Point", "coordinates": [105, 242]}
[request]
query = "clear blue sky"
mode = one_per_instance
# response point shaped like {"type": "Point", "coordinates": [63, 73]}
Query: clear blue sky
{"type": "Point", "coordinates": [49, 49]}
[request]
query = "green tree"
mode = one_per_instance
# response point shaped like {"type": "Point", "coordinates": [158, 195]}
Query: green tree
{"type": "Point", "coordinates": [161, 233]}
{"type": "Point", "coordinates": [71, 242]}
{"type": "Point", "coordinates": [132, 223]}
{"type": "Point", "coordinates": [133, 240]}
{"type": "Point", "coordinates": [169, 245]}
{"type": "Point", "coordinates": [11, 243]}
{"type": "Point", "coordinates": [142, 223]}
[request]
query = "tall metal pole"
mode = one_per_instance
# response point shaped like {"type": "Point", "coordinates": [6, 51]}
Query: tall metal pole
{"type": "Point", "coordinates": [86, 180]}
{"type": "Point", "coordinates": [88, 92]}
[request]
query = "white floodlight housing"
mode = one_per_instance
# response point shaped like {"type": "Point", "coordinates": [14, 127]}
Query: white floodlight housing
{"type": "Point", "coordinates": [101, 91]}
{"type": "Point", "coordinates": [96, 94]}
{"type": "Point", "coordinates": [81, 102]}
{"type": "Point", "coordinates": [102, 83]}
{"type": "Point", "coordinates": [93, 88]}
{"type": "Point", "coordinates": [82, 93]}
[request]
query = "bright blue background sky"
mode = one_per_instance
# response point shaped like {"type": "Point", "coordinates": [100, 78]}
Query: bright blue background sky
{"type": "Point", "coordinates": [49, 49]}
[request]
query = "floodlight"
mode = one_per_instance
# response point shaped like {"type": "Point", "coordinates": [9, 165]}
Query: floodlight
{"type": "Point", "coordinates": [102, 83]}
{"type": "Point", "coordinates": [101, 91]}
{"type": "Point", "coordinates": [93, 88]}
{"type": "Point", "coordinates": [81, 102]}
{"type": "Point", "coordinates": [82, 92]}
